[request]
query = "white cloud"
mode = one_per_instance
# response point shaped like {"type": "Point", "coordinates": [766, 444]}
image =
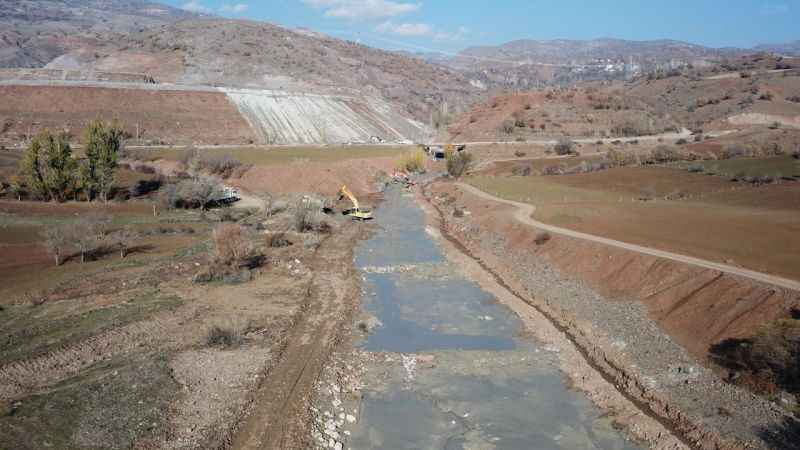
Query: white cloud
{"type": "Point", "coordinates": [363, 9]}
{"type": "Point", "coordinates": [234, 9]}
{"type": "Point", "coordinates": [196, 7]}
{"type": "Point", "coordinates": [420, 30]}
{"type": "Point", "coordinates": [405, 29]}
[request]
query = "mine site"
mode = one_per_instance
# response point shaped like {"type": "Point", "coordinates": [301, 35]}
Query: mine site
{"type": "Point", "coordinates": [379, 224]}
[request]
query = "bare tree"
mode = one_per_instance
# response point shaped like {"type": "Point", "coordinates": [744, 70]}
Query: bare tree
{"type": "Point", "coordinates": [87, 232]}
{"type": "Point", "coordinates": [57, 241]}
{"type": "Point", "coordinates": [98, 224]}
{"type": "Point", "coordinates": [231, 243]}
{"type": "Point", "coordinates": [122, 240]}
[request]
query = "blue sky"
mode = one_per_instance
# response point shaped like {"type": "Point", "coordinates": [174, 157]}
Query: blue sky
{"type": "Point", "coordinates": [451, 25]}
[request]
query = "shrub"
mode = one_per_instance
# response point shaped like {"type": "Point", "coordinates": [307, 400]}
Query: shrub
{"type": "Point", "coordinates": [698, 137]}
{"type": "Point", "coordinates": [553, 170]}
{"type": "Point", "coordinates": [793, 99]}
{"type": "Point", "coordinates": [307, 217]}
{"type": "Point", "coordinates": [774, 125]}
{"type": "Point", "coordinates": [275, 206]}
{"type": "Point", "coordinates": [507, 126]}
{"type": "Point", "coordinates": [521, 171]}
{"type": "Point", "coordinates": [769, 359]}
{"type": "Point", "coordinates": [413, 161]}
{"type": "Point", "coordinates": [647, 193]}
{"type": "Point", "coordinates": [187, 155]}
{"type": "Point", "coordinates": [735, 151]}
{"type": "Point", "coordinates": [541, 237]}
{"type": "Point", "coordinates": [228, 337]}
{"type": "Point", "coordinates": [519, 153]}
{"type": "Point", "coordinates": [458, 163]}
{"type": "Point", "coordinates": [144, 187]}
{"type": "Point", "coordinates": [564, 147]}
{"type": "Point", "coordinates": [664, 154]}
{"type": "Point", "coordinates": [231, 243]}
{"type": "Point", "coordinates": [632, 128]}
{"type": "Point", "coordinates": [224, 166]}
{"type": "Point", "coordinates": [278, 240]}
{"type": "Point", "coordinates": [696, 168]}
{"type": "Point", "coordinates": [765, 96]}
{"type": "Point", "coordinates": [193, 193]}
{"type": "Point", "coordinates": [681, 141]}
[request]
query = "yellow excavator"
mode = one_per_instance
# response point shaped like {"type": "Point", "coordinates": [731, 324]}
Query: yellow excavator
{"type": "Point", "coordinates": [355, 212]}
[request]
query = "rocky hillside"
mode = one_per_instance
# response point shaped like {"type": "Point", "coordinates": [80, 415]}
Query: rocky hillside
{"type": "Point", "coordinates": [562, 51]}
{"type": "Point", "coordinates": [260, 55]}
{"type": "Point", "coordinates": [529, 64]}
{"type": "Point", "coordinates": [34, 32]}
{"type": "Point", "coordinates": [787, 48]}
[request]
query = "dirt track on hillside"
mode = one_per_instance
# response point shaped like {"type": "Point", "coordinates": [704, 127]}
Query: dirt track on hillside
{"type": "Point", "coordinates": [525, 212]}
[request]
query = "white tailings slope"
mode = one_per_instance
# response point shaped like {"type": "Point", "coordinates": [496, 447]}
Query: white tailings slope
{"type": "Point", "coordinates": [280, 117]}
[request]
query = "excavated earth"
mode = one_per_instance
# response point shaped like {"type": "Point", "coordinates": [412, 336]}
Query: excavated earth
{"type": "Point", "coordinates": [644, 322]}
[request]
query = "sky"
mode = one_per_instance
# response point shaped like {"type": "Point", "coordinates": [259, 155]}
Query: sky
{"type": "Point", "coordinates": [448, 26]}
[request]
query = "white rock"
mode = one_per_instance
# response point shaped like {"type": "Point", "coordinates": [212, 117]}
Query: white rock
{"type": "Point", "coordinates": [350, 418]}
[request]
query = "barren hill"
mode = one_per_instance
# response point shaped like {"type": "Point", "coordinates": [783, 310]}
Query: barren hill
{"type": "Point", "coordinates": [735, 93]}
{"type": "Point", "coordinates": [786, 48]}
{"type": "Point", "coordinates": [562, 51]}
{"type": "Point", "coordinates": [526, 64]}
{"type": "Point", "coordinates": [33, 32]}
{"type": "Point", "coordinates": [248, 54]}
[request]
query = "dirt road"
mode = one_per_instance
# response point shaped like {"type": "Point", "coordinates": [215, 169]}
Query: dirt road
{"type": "Point", "coordinates": [279, 414]}
{"type": "Point", "coordinates": [525, 212]}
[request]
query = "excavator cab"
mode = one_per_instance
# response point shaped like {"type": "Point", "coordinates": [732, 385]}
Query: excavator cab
{"type": "Point", "coordinates": [356, 213]}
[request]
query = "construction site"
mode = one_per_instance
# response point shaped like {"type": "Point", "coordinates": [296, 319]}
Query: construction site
{"type": "Point", "coordinates": [316, 244]}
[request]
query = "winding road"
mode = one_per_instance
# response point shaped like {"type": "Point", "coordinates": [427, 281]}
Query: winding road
{"type": "Point", "coordinates": [524, 215]}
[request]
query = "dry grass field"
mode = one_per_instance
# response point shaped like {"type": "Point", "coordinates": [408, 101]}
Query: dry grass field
{"type": "Point", "coordinates": [270, 156]}
{"type": "Point", "coordinates": [754, 227]}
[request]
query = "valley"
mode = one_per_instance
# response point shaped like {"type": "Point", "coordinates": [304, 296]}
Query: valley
{"type": "Point", "coordinates": [218, 232]}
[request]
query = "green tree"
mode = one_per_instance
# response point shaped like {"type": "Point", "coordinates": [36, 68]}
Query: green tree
{"type": "Point", "coordinates": [48, 166]}
{"type": "Point", "coordinates": [103, 144]}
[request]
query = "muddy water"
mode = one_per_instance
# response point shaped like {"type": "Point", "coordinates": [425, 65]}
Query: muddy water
{"type": "Point", "coordinates": [452, 368]}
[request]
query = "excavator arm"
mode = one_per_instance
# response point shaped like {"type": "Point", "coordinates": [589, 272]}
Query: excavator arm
{"type": "Point", "coordinates": [344, 192]}
{"type": "Point", "coordinates": [355, 212]}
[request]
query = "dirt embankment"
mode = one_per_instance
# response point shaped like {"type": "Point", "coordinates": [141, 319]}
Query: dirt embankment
{"type": "Point", "coordinates": [320, 177]}
{"type": "Point", "coordinates": [174, 117]}
{"type": "Point", "coordinates": [646, 322]}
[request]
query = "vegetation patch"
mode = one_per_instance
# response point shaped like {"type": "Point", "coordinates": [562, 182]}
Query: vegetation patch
{"type": "Point", "coordinates": [767, 362]}
{"type": "Point", "coordinates": [112, 404]}
{"type": "Point", "coordinates": [34, 330]}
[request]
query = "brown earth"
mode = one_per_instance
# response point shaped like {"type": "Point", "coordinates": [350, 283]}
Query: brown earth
{"type": "Point", "coordinates": [577, 112]}
{"type": "Point", "coordinates": [188, 117]}
{"type": "Point", "coordinates": [309, 176]}
{"type": "Point", "coordinates": [597, 292]}
{"type": "Point", "coordinates": [698, 215]}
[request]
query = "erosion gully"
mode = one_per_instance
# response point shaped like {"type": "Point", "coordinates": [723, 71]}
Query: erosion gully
{"type": "Point", "coordinates": [452, 368]}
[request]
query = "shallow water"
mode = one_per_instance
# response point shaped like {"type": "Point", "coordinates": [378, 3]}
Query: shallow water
{"type": "Point", "coordinates": [482, 384]}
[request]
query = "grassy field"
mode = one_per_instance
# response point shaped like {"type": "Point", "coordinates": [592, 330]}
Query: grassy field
{"type": "Point", "coordinates": [265, 156]}
{"type": "Point", "coordinates": [784, 165]}
{"type": "Point", "coordinates": [757, 228]}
